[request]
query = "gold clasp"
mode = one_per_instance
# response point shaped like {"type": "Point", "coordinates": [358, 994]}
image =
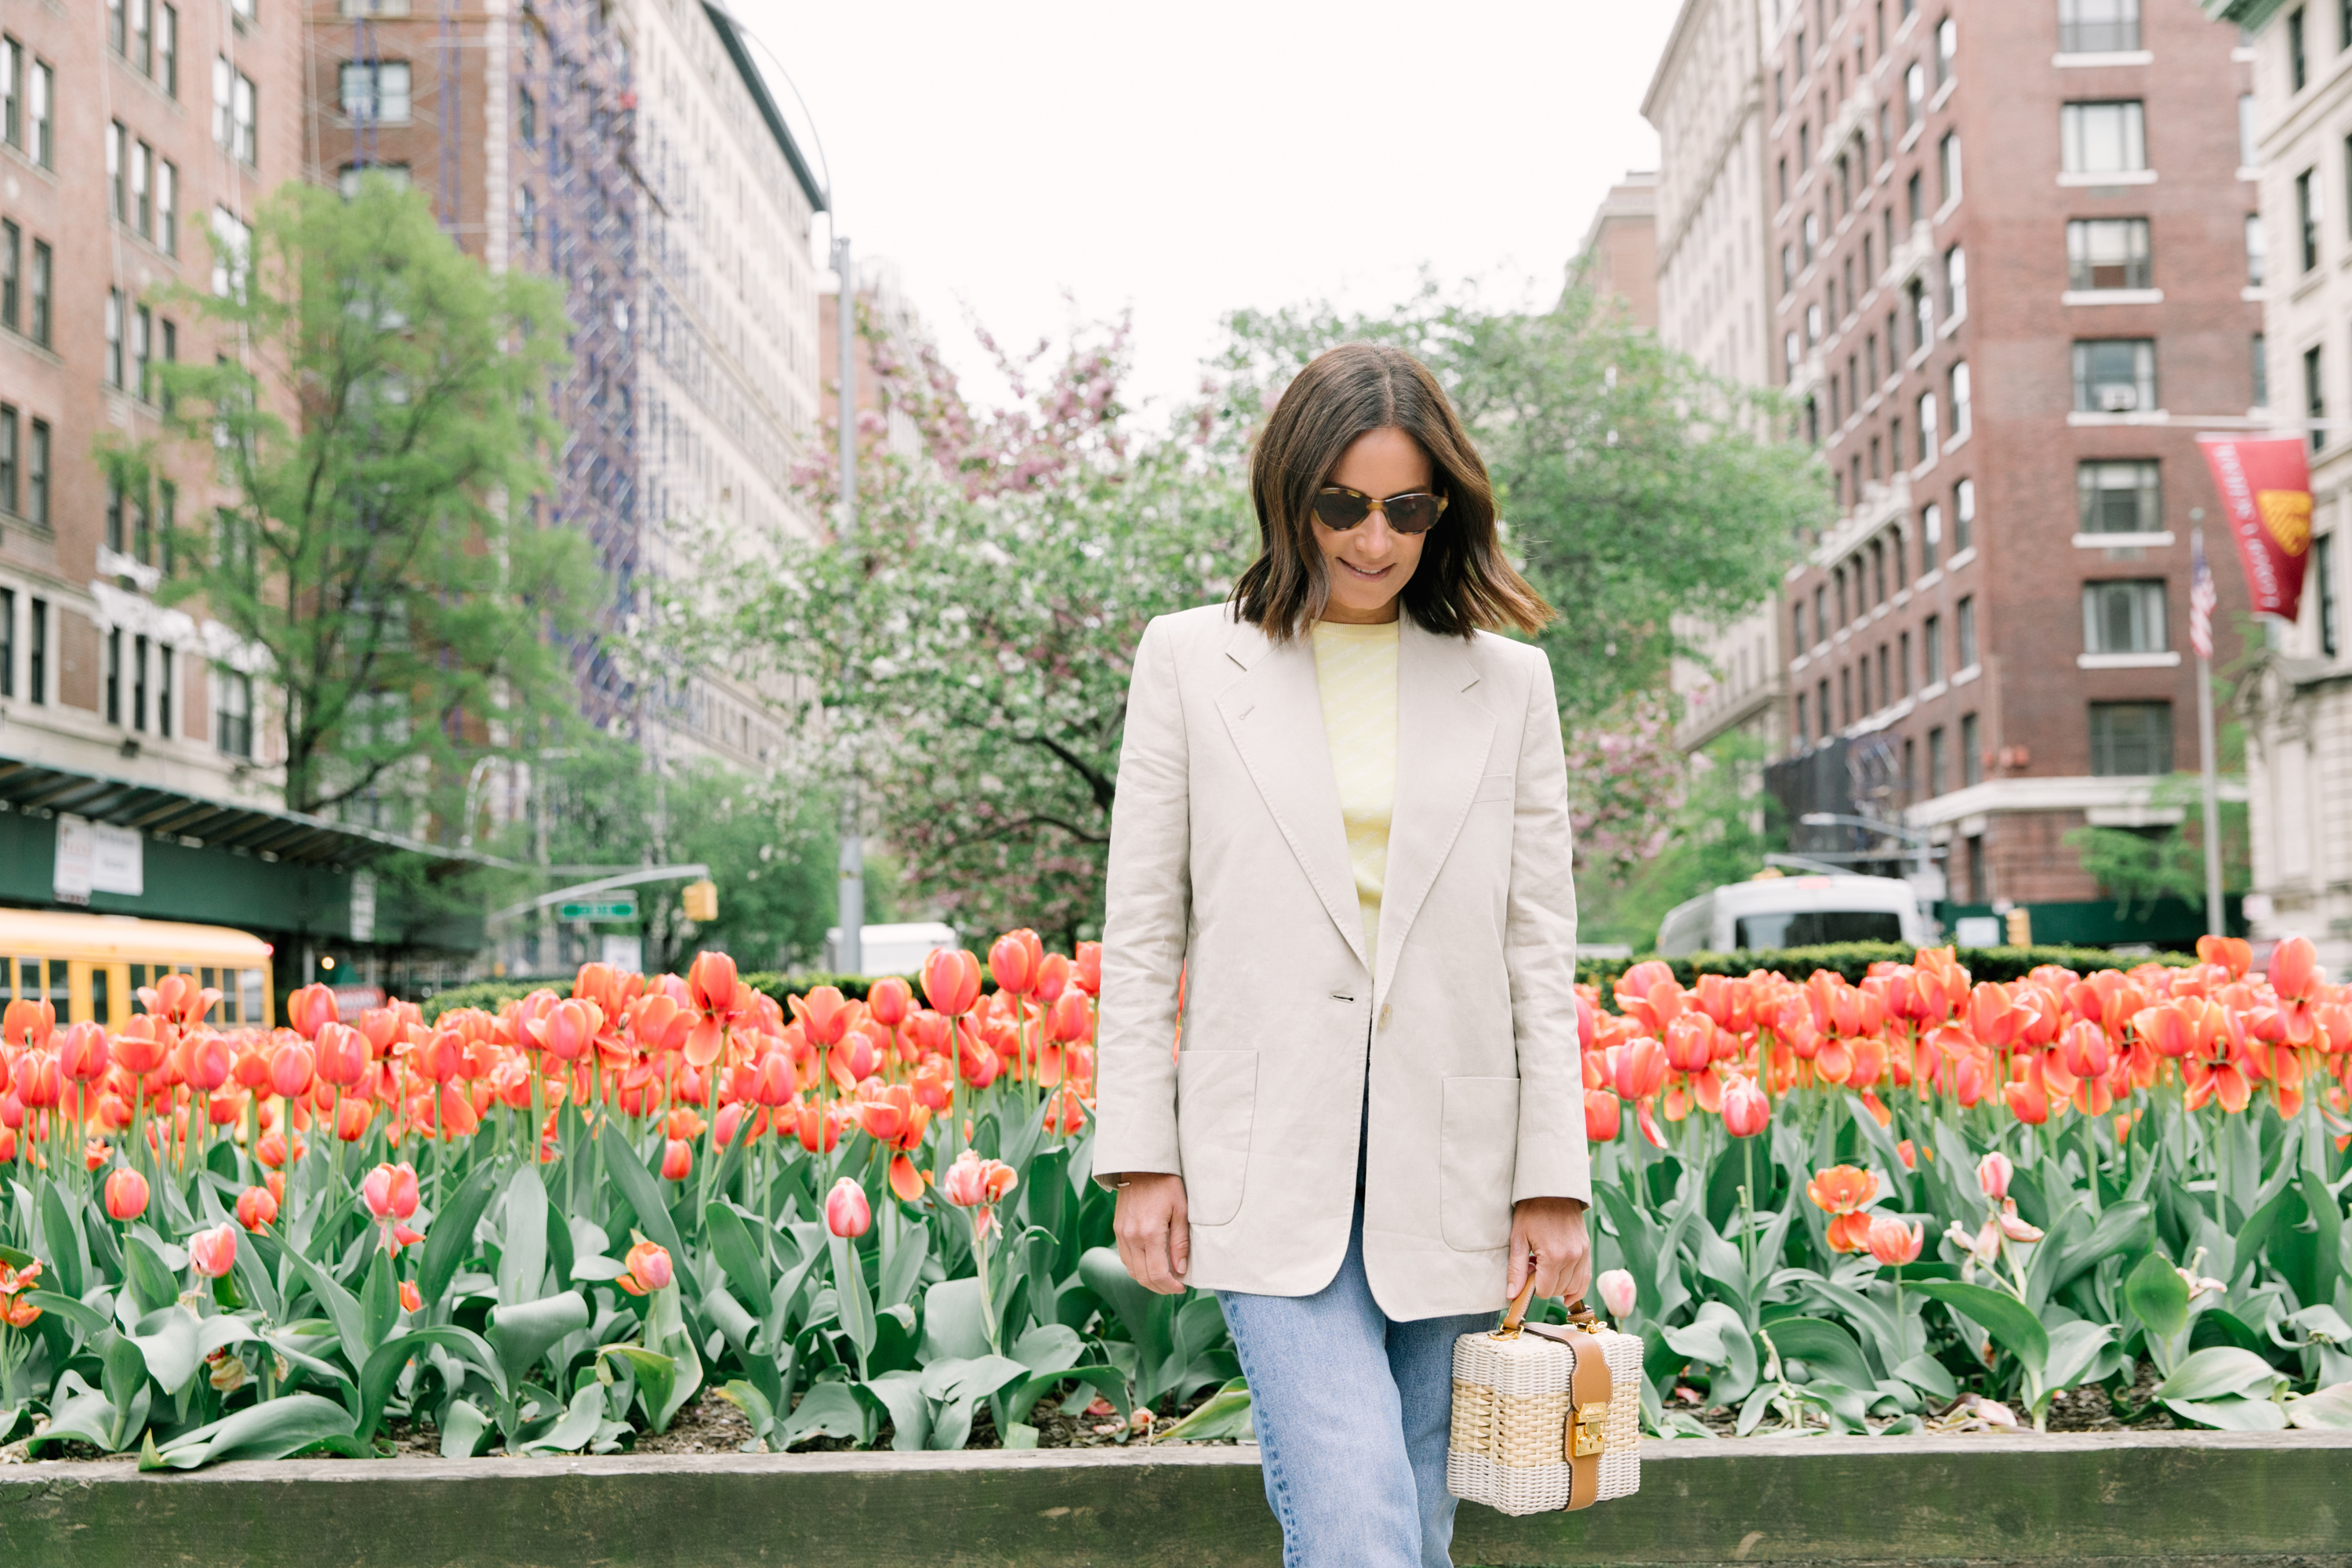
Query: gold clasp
{"type": "Point", "coordinates": [1589, 1435]}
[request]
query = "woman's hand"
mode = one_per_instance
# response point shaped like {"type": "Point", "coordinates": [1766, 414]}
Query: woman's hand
{"type": "Point", "coordinates": [1155, 1237]}
{"type": "Point", "coordinates": [1549, 1230]}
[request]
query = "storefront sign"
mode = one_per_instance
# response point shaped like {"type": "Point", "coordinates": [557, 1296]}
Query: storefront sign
{"type": "Point", "coordinates": [98, 858]}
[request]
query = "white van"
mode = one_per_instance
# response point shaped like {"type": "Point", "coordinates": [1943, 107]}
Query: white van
{"type": "Point", "coordinates": [1794, 911]}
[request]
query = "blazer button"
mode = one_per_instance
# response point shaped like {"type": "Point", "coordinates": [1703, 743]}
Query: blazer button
{"type": "Point", "coordinates": [1386, 1008]}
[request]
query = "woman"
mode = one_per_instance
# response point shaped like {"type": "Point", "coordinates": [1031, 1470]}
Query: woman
{"type": "Point", "coordinates": [1341, 845]}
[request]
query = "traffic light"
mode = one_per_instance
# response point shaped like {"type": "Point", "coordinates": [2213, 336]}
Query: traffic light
{"type": "Point", "coordinates": [2021, 927]}
{"type": "Point", "coordinates": [701, 900]}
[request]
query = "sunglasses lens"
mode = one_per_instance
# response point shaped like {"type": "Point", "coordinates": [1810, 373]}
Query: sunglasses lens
{"type": "Point", "coordinates": [1339, 510]}
{"type": "Point", "coordinates": [1412, 514]}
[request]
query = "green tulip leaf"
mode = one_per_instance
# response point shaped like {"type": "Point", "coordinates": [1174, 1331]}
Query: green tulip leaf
{"type": "Point", "coordinates": [270, 1430]}
{"type": "Point", "coordinates": [450, 1240]}
{"type": "Point", "coordinates": [2004, 1317]}
{"type": "Point", "coordinates": [2217, 1372]}
{"type": "Point", "coordinates": [2157, 1296]}
{"type": "Point", "coordinates": [523, 1332]}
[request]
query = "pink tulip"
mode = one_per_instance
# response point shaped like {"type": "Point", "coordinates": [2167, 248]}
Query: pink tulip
{"type": "Point", "coordinates": [213, 1251]}
{"type": "Point", "coordinates": [1744, 1110]}
{"type": "Point", "coordinates": [2014, 1227]}
{"type": "Point", "coordinates": [677, 1160]}
{"type": "Point", "coordinates": [1890, 1243]}
{"type": "Point", "coordinates": [847, 1213]}
{"type": "Point", "coordinates": [390, 1190]}
{"type": "Point", "coordinates": [291, 1066]}
{"type": "Point", "coordinates": [1993, 1172]}
{"type": "Point", "coordinates": [1617, 1293]}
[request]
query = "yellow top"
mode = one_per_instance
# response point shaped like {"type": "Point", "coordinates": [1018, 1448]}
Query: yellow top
{"type": "Point", "coordinates": [104, 938]}
{"type": "Point", "coordinates": [1356, 670]}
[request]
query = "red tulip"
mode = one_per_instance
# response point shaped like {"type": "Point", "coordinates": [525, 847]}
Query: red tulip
{"type": "Point", "coordinates": [952, 981]}
{"type": "Point", "coordinates": [711, 985]}
{"type": "Point", "coordinates": [904, 1179]}
{"type": "Point", "coordinates": [824, 1016]}
{"type": "Point", "coordinates": [847, 1213]}
{"type": "Point", "coordinates": [126, 1195]}
{"type": "Point", "coordinates": [1067, 1019]}
{"type": "Point", "coordinates": [136, 1050]}
{"type": "Point", "coordinates": [1641, 1069]}
{"type": "Point", "coordinates": [2294, 969]}
{"type": "Point", "coordinates": [974, 1182]}
{"type": "Point", "coordinates": [256, 1208]}
{"type": "Point", "coordinates": [410, 1301]}
{"type": "Point", "coordinates": [1064, 1114]}
{"type": "Point", "coordinates": [290, 1067]}
{"type": "Point", "coordinates": [1086, 970]}
{"type": "Point", "coordinates": [2234, 953]}
{"type": "Point", "coordinates": [27, 1023]}
{"type": "Point", "coordinates": [213, 1252]}
{"type": "Point", "coordinates": [353, 1116]}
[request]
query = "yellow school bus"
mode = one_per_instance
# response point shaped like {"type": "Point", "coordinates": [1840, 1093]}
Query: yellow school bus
{"type": "Point", "coordinates": [91, 966]}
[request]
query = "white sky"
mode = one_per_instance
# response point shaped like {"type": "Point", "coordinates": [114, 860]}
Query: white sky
{"type": "Point", "coordinates": [1187, 160]}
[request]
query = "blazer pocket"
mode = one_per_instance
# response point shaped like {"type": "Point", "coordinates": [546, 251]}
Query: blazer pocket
{"type": "Point", "coordinates": [1496, 786]}
{"type": "Point", "coordinates": [1477, 1155]}
{"type": "Point", "coordinates": [1216, 1102]}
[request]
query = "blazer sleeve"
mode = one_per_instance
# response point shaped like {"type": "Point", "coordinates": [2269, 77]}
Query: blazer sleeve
{"type": "Point", "coordinates": [1147, 907]}
{"type": "Point", "coordinates": [1540, 955]}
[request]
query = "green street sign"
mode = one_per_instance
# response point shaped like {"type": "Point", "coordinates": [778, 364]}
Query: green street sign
{"type": "Point", "coordinates": [622, 906]}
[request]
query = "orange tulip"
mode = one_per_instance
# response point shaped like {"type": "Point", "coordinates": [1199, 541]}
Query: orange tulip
{"type": "Point", "coordinates": [1849, 1232]}
{"type": "Point", "coordinates": [952, 981]}
{"type": "Point", "coordinates": [2295, 968]}
{"type": "Point", "coordinates": [126, 1196]}
{"type": "Point", "coordinates": [1842, 1189]}
{"type": "Point", "coordinates": [904, 1179]}
{"type": "Point", "coordinates": [889, 999]}
{"type": "Point", "coordinates": [409, 1300]}
{"type": "Point", "coordinates": [1064, 1114]}
{"type": "Point", "coordinates": [83, 1053]}
{"type": "Point", "coordinates": [310, 1009]}
{"type": "Point", "coordinates": [648, 1270]}
{"type": "Point", "coordinates": [1641, 1069]}
{"type": "Point", "coordinates": [256, 1208]}
{"type": "Point", "coordinates": [1085, 968]}
{"type": "Point", "coordinates": [1892, 1244]}
{"type": "Point", "coordinates": [27, 1023]}
{"type": "Point", "coordinates": [824, 1016]}
{"type": "Point", "coordinates": [1016, 960]}
{"type": "Point", "coordinates": [2232, 954]}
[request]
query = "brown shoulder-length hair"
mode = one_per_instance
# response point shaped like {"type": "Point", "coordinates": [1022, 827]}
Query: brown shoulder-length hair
{"type": "Point", "coordinates": [1462, 584]}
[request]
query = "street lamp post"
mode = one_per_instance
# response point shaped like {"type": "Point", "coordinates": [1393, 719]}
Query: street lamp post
{"type": "Point", "coordinates": [850, 954]}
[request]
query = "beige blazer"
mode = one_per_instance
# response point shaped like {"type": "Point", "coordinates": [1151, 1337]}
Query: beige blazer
{"type": "Point", "coordinates": [1229, 867]}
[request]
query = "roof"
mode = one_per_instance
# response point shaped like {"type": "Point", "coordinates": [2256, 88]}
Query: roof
{"type": "Point", "coordinates": [731, 33]}
{"type": "Point", "coordinates": [288, 835]}
{"type": "Point", "coordinates": [2247, 14]}
{"type": "Point", "coordinates": [50, 934]}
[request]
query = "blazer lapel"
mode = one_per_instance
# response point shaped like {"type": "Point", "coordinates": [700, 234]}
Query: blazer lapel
{"type": "Point", "coordinates": [1443, 738]}
{"type": "Point", "coordinates": [1274, 714]}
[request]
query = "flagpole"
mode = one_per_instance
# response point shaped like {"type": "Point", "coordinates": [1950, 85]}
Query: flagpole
{"type": "Point", "coordinates": [2215, 913]}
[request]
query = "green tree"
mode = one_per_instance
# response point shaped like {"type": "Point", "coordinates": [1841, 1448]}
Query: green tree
{"type": "Point", "coordinates": [375, 443]}
{"type": "Point", "coordinates": [1720, 826]}
{"type": "Point", "coordinates": [1641, 493]}
{"type": "Point", "coordinates": [2137, 866]}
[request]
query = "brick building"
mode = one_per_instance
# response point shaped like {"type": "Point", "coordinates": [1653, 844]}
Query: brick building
{"type": "Point", "coordinates": [130, 130]}
{"type": "Point", "coordinates": [2015, 264]}
{"type": "Point", "coordinates": [1619, 257]}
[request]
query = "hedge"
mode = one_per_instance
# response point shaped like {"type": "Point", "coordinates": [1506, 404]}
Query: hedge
{"type": "Point", "coordinates": [1854, 958]}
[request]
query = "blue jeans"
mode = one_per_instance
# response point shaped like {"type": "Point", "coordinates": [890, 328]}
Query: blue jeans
{"type": "Point", "coordinates": [1352, 1411]}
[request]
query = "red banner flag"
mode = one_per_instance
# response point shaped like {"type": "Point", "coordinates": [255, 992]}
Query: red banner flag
{"type": "Point", "coordinates": [2265, 488]}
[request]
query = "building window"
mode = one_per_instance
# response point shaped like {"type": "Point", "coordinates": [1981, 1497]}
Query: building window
{"type": "Point", "coordinates": [2259, 359]}
{"type": "Point", "coordinates": [1964, 516]}
{"type": "Point", "coordinates": [232, 713]}
{"type": "Point", "coordinates": [527, 117]}
{"type": "Point", "coordinates": [1971, 750]}
{"type": "Point", "coordinates": [1956, 283]}
{"type": "Point", "coordinates": [2307, 217]}
{"type": "Point", "coordinates": [39, 328]}
{"type": "Point", "coordinates": [36, 652]}
{"type": "Point", "coordinates": [1931, 533]}
{"type": "Point", "coordinates": [37, 476]}
{"type": "Point", "coordinates": [1804, 728]}
{"type": "Point", "coordinates": [2097, 27]}
{"type": "Point", "coordinates": [8, 642]}
{"type": "Point", "coordinates": [138, 683]}
{"type": "Point", "coordinates": [2124, 617]}
{"type": "Point", "coordinates": [348, 179]}
{"type": "Point", "coordinates": [115, 676]}
{"type": "Point", "coordinates": [1947, 169]}
{"type": "Point", "coordinates": [167, 49]}
{"type": "Point", "coordinates": [2108, 138]}
{"type": "Point", "coordinates": [1947, 47]}
{"type": "Point", "coordinates": [1797, 625]}
{"type": "Point", "coordinates": [2315, 396]}
{"type": "Point", "coordinates": [2108, 253]}
{"type": "Point", "coordinates": [1928, 428]}
{"type": "Point", "coordinates": [142, 333]}
{"type": "Point", "coordinates": [114, 338]}
{"type": "Point", "coordinates": [1923, 315]}
{"type": "Point", "coordinates": [232, 252]}
{"type": "Point", "coordinates": [1914, 94]}
{"type": "Point", "coordinates": [1959, 389]}
{"type": "Point", "coordinates": [1903, 662]}
{"type": "Point", "coordinates": [40, 105]}
{"type": "Point", "coordinates": [12, 269]}
{"type": "Point", "coordinates": [1931, 643]}
{"type": "Point", "coordinates": [12, 92]}
{"type": "Point", "coordinates": [167, 207]}
{"type": "Point", "coordinates": [2258, 249]}
{"type": "Point", "coordinates": [8, 430]}
{"type": "Point", "coordinates": [1964, 624]}
{"type": "Point", "coordinates": [2119, 497]}
{"type": "Point", "coordinates": [1940, 762]}
{"type": "Point", "coordinates": [245, 112]}
{"type": "Point", "coordinates": [117, 204]}
{"type": "Point", "coordinates": [1821, 706]}
{"type": "Point", "coordinates": [1812, 325]}
{"type": "Point", "coordinates": [2131, 739]}
{"type": "Point", "coordinates": [527, 221]}
{"type": "Point", "coordinates": [2114, 375]}
{"type": "Point", "coordinates": [2322, 564]}
{"type": "Point", "coordinates": [143, 192]}
{"type": "Point", "coordinates": [2298, 60]}
{"type": "Point", "coordinates": [376, 90]}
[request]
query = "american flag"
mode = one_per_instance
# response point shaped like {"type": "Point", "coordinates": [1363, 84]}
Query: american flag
{"type": "Point", "coordinates": [2201, 600]}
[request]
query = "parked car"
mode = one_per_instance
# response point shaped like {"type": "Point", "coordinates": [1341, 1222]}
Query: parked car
{"type": "Point", "coordinates": [1794, 911]}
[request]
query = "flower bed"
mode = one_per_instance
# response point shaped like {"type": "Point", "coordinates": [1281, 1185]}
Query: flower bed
{"type": "Point", "coordinates": [1912, 1202]}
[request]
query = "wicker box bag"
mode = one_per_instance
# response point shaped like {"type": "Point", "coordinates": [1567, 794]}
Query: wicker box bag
{"type": "Point", "coordinates": [1546, 1416]}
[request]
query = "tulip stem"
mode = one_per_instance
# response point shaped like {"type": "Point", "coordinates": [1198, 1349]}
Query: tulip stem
{"type": "Point", "coordinates": [1746, 1209]}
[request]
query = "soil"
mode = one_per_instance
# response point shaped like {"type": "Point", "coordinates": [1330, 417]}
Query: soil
{"type": "Point", "coordinates": [2086, 1409]}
